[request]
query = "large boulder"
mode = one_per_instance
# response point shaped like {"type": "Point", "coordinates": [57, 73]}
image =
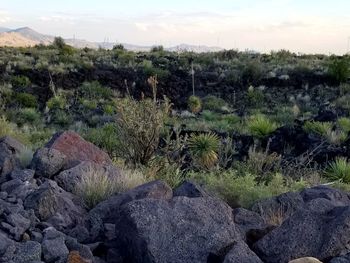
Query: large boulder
{"type": "Point", "coordinates": [241, 253]}
{"type": "Point", "coordinates": [305, 260]}
{"type": "Point", "coordinates": [54, 247]}
{"type": "Point", "coordinates": [190, 189]}
{"type": "Point", "coordinates": [307, 233]}
{"type": "Point", "coordinates": [180, 230]}
{"type": "Point", "coordinates": [48, 162]}
{"type": "Point", "coordinates": [9, 150]}
{"type": "Point", "coordinates": [107, 211]}
{"type": "Point", "coordinates": [52, 204]}
{"type": "Point", "coordinates": [76, 149]}
{"type": "Point", "coordinates": [69, 179]}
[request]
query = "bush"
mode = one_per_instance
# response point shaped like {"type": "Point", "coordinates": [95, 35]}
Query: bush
{"type": "Point", "coordinates": [339, 170]}
{"type": "Point", "coordinates": [28, 115]}
{"type": "Point", "coordinates": [20, 82]}
{"type": "Point", "coordinates": [194, 104]}
{"type": "Point", "coordinates": [25, 157]}
{"type": "Point", "coordinates": [260, 126]}
{"type": "Point", "coordinates": [244, 190]}
{"type": "Point", "coordinates": [62, 118]}
{"type": "Point", "coordinates": [255, 97]}
{"type": "Point", "coordinates": [56, 103]}
{"type": "Point", "coordinates": [139, 124]}
{"type": "Point", "coordinates": [213, 103]}
{"type": "Point", "coordinates": [319, 128]}
{"type": "Point", "coordinates": [204, 149]}
{"type": "Point", "coordinates": [25, 100]}
{"type": "Point", "coordinates": [94, 91]}
{"type": "Point", "coordinates": [344, 124]}
{"type": "Point", "coordinates": [339, 69]}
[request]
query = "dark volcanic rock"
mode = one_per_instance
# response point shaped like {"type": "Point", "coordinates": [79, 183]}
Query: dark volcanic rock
{"type": "Point", "coordinates": [241, 253]}
{"type": "Point", "coordinates": [48, 162]}
{"type": "Point", "coordinates": [9, 149]}
{"type": "Point", "coordinates": [50, 203]}
{"type": "Point", "coordinates": [107, 211]}
{"type": "Point", "coordinates": [190, 189]}
{"type": "Point", "coordinates": [180, 230]}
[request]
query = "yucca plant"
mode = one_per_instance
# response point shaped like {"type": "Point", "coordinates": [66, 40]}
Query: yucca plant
{"type": "Point", "coordinates": [204, 149]}
{"type": "Point", "coordinates": [339, 170]}
{"type": "Point", "coordinates": [344, 124]}
{"type": "Point", "coordinates": [317, 127]}
{"type": "Point", "coordinates": [194, 104]}
{"type": "Point", "coordinates": [260, 126]}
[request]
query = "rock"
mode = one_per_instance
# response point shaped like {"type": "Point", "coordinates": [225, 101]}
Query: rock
{"type": "Point", "coordinates": [305, 260]}
{"type": "Point", "coordinates": [50, 202]}
{"type": "Point", "coordinates": [179, 230]}
{"type": "Point", "coordinates": [19, 189]}
{"type": "Point", "coordinates": [337, 197]}
{"type": "Point", "coordinates": [73, 245]}
{"type": "Point", "coordinates": [48, 162]}
{"type": "Point", "coordinates": [76, 149]}
{"type": "Point", "coordinates": [241, 253]}
{"type": "Point", "coordinates": [19, 225]}
{"type": "Point", "coordinates": [9, 149]}
{"type": "Point", "coordinates": [107, 211]}
{"type": "Point", "coordinates": [252, 225]}
{"type": "Point", "coordinates": [307, 233]}
{"type": "Point", "coordinates": [190, 189]}
{"type": "Point", "coordinates": [69, 179]}
{"type": "Point", "coordinates": [53, 246]}
{"type": "Point", "coordinates": [80, 233]}
{"type": "Point", "coordinates": [75, 257]}
{"type": "Point", "coordinates": [23, 175]}
{"type": "Point", "coordinates": [27, 252]}
{"type": "Point", "coordinates": [341, 259]}
{"type": "Point", "coordinates": [5, 242]}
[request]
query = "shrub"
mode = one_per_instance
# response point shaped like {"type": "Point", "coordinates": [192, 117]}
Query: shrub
{"type": "Point", "coordinates": [260, 126]}
{"type": "Point", "coordinates": [204, 149]}
{"type": "Point", "coordinates": [319, 128]}
{"type": "Point", "coordinates": [20, 82]}
{"type": "Point", "coordinates": [194, 104]}
{"type": "Point", "coordinates": [28, 115]}
{"type": "Point", "coordinates": [255, 96]}
{"type": "Point", "coordinates": [62, 118]}
{"type": "Point", "coordinates": [94, 90]}
{"type": "Point", "coordinates": [344, 124]}
{"type": "Point", "coordinates": [339, 170]}
{"type": "Point", "coordinates": [25, 157]}
{"type": "Point", "coordinates": [213, 103]}
{"type": "Point", "coordinates": [139, 124]}
{"type": "Point", "coordinates": [56, 103]}
{"type": "Point", "coordinates": [339, 69]}
{"type": "Point", "coordinates": [26, 100]}
{"type": "Point", "coordinates": [105, 137]}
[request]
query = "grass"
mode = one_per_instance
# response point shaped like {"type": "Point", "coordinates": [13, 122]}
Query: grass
{"type": "Point", "coordinates": [339, 170]}
{"type": "Point", "coordinates": [260, 126]}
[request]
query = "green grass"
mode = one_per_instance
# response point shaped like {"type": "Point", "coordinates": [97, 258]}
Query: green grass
{"type": "Point", "coordinates": [339, 170]}
{"type": "Point", "coordinates": [260, 126]}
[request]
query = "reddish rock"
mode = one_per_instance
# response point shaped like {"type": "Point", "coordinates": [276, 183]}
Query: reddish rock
{"type": "Point", "coordinates": [74, 257]}
{"type": "Point", "coordinates": [76, 149]}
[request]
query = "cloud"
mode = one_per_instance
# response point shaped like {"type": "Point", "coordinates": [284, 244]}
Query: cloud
{"type": "Point", "coordinates": [5, 17]}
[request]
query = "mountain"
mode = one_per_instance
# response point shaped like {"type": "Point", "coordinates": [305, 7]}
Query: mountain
{"type": "Point", "coordinates": [26, 36]}
{"type": "Point", "coordinates": [33, 35]}
{"type": "Point", "coordinates": [12, 39]}
{"type": "Point", "coordinates": [4, 29]}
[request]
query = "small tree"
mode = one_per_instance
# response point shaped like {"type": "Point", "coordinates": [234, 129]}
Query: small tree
{"type": "Point", "coordinates": [339, 69]}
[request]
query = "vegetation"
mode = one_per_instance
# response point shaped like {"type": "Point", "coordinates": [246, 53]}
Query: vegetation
{"type": "Point", "coordinates": [194, 104]}
{"type": "Point", "coordinates": [339, 170]}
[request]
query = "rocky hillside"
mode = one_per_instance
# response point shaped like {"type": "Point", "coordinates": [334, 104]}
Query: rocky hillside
{"type": "Point", "coordinates": [43, 219]}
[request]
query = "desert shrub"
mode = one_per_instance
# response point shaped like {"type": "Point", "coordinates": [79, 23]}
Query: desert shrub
{"type": "Point", "coordinates": [286, 115]}
{"type": "Point", "coordinates": [94, 90]}
{"type": "Point", "coordinates": [204, 149]}
{"type": "Point", "coordinates": [139, 124]}
{"type": "Point", "coordinates": [105, 137]}
{"type": "Point", "coordinates": [339, 170]}
{"type": "Point", "coordinates": [252, 72]}
{"type": "Point", "coordinates": [244, 190]}
{"type": "Point", "coordinates": [28, 115]}
{"type": "Point", "coordinates": [129, 179]}
{"type": "Point", "coordinates": [344, 124]}
{"type": "Point", "coordinates": [62, 118]}
{"type": "Point", "coordinates": [20, 82]}
{"type": "Point", "coordinates": [56, 103]}
{"type": "Point", "coordinates": [343, 102]}
{"type": "Point", "coordinates": [260, 126]}
{"type": "Point", "coordinates": [25, 100]}
{"type": "Point", "coordinates": [339, 69]}
{"type": "Point", "coordinates": [319, 128]}
{"type": "Point", "coordinates": [194, 104]}
{"type": "Point", "coordinates": [336, 137]}
{"type": "Point", "coordinates": [25, 157]}
{"type": "Point", "coordinates": [95, 187]}
{"type": "Point", "coordinates": [344, 88]}
{"type": "Point", "coordinates": [213, 103]}
{"type": "Point", "coordinates": [255, 97]}
{"type": "Point", "coordinates": [108, 109]}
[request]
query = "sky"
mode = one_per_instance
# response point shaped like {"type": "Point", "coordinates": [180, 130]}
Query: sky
{"type": "Point", "coordinates": [306, 26]}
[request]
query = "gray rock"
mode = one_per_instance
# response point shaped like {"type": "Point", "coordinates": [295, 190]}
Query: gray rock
{"type": "Point", "coordinates": [48, 162]}
{"type": "Point", "coordinates": [23, 175]}
{"type": "Point", "coordinates": [190, 189]}
{"type": "Point", "coordinates": [27, 252]}
{"type": "Point", "coordinates": [5, 242]}
{"type": "Point", "coordinates": [341, 259]}
{"type": "Point", "coordinates": [19, 224]}
{"type": "Point", "coordinates": [69, 179]}
{"type": "Point", "coordinates": [18, 189]}
{"type": "Point", "coordinates": [307, 233]}
{"type": "Point", "coordinates": [9, 149]}
{"type": "Point", "coordinates": [73, 245]}
{"type": "Point", "coordinates": [107, 211]}
{"type": "Point", "coordinates": [54, 247]}
{"type": "Point", "coordinates": [50, 201]}
{"type": "Point", "coordinates": [180, 230]}
{"type": "Point", "coordinates": [241, 253]}
{"type": "Point", "coordinates": [337, 197]}
{"type": "Point", "coordinates": [80, 233]}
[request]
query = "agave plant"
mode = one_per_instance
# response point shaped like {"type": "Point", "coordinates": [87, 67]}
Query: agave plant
{"type": "Point", "coordinates": [194, 104]}
{"type": "Point", "coordinates": [260, 126]}
{"type": "Point", "coordinates": [204, 149]}
{"type": "Point", "coordinates": [339, 170]}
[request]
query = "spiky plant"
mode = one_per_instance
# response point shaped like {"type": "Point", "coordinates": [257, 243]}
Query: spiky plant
{"type": "Point", "coordinates": [344, 124]}
{"type": "Point", "coordinates": [260, 126]}
{"type": "Point", "coordinates": [204, 149]}
{"type": "Point", "coordinates": [194, 104]}
{"type": "Point", "coordinates": [339, 170]}
{"type": "Point", "coordinates": [317, 127]}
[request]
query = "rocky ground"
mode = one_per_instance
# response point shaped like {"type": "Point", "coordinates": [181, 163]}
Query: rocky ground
{"type": "Point", "coordinates": [41, 220]}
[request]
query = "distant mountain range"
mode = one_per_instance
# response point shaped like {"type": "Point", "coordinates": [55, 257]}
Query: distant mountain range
{"type": "Point", "coordinates": [25, 36]}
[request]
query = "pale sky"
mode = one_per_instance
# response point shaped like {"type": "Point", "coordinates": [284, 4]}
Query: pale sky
{"type": "Point", "coordinates": [308, 26]}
